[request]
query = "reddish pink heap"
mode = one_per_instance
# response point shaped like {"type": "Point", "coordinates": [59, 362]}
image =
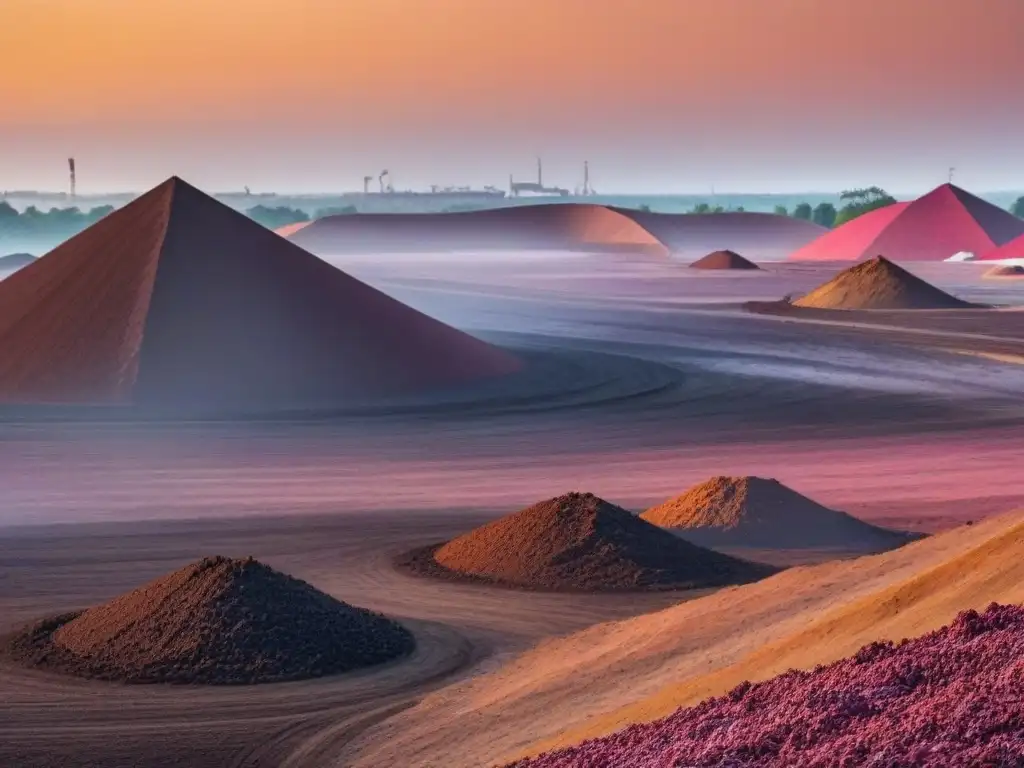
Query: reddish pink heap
{"type": "Point", "coordinates": [954, 697]}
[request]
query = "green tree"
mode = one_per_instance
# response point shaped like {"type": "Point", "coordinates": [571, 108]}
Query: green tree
{"type": "Point", "coordinates": [803, 211]}
{"type": "Point", "coordinates": [824, 214]}
{"type": "Point", "coordinates": [1017, 209]}
{"type": "Point", "coordinates": [781, 210]}
{"type": "Point", "coordinates": [272, 218]}
{"type": "Point", "coordinates": [857, 202]}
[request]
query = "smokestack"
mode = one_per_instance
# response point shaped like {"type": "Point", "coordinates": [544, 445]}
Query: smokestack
{"type": "Point", "coordinates": [540, 174]}
{"type": "Point", "coordinates": [71, 167]}
{"type": "Point", "coordinates": [586, 177]}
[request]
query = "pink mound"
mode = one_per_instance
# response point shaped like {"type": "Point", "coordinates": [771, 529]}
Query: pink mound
{"type": "Point", "coordinates": [762, 236]}
{"type": "Point", "coordinates": [946, 221]}
{"type": "Point", "coordinates": [555, 226]}
{"type": "Point", "coordinates": [291, 229]}
{"type": "Point", "coordinates": [1011, 250]}
{"type": "Point", "coordinates": [950, 698]}
{"type": "Point", "coordinates": [177, 299]}
{"type": "Point", "coordinates": [723, 260]}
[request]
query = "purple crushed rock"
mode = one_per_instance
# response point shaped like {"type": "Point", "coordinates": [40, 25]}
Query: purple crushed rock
{"type": "Point", "coordinates": [950, 699]}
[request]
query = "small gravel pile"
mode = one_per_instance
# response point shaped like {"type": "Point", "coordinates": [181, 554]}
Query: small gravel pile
{"type": "Point", "coordinates": [1006, 270]}
{"type": "Point", "coordinates": [724, 260]}
{"type": "Point", "coordinates": [762, 512]}
{"type": "Point", "coordinates": [878, 284]}
{"type": "Point", "coordinates": [578, 542]}
{"type": "Point", "coordinates": [216, 621]}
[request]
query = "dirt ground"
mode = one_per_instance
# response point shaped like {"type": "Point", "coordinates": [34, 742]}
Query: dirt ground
{"type": "Point", "coordinates": [645, 379]}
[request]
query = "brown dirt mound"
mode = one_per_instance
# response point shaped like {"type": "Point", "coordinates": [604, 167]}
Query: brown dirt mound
{"type": "Point", "coordinates": [760, 512]}
{"type": "Point", "coordinates": [878, 284]}
{"type": "Point", "coordinates": [1006, 270]}
{"type": "Point", "coordinates": [216, 621]}
{"type": "Point", "coordinates": [724, 260]}
{"type": "Point", "coordinates": [546, 226]}
{"type": "Point", "coordinates": [578, 542]}
{"type": "Point", "coordinates": [762, 236]}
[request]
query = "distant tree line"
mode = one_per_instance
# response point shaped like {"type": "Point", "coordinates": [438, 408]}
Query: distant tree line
{"type": "Point", "coordinates": [59, 224]}
{"type": "Point", "coordinates": [857, 202]}
{"type": "Point", "coordinates": [854, 203]}
{"type": "Point", "coordinates": [273, 218]}
{"type": "Point", "coordinates": [33, 223]}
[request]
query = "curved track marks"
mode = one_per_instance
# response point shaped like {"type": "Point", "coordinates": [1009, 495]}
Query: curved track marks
{"type": "Point", "coordinates": [631, 396]}
{"type": "Point", "coordinates": [50, 720]}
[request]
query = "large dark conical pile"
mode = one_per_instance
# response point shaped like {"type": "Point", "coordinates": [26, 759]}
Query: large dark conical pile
{"type": "Point", "coordinates": [878, 284]}
{"type": "Point", "coordinates": [217, 621]}
{"type": "Point", "coordinates": [580, 542]}
{"type": "Point", "coordinates": [177, 301]}
{"type": "Point", "coordinates": [761, 512]}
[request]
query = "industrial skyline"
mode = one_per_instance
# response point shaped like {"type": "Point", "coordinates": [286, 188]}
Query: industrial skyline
{"type": "Point", "coordinates": [661, 96]}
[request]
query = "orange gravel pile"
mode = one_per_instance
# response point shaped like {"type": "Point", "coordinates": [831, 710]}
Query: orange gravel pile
{"type": "Point", "coordinates": [878, 284]}
{"type": "Point", "coordinates": [724, 260]}
{"type": "Point", "coordinates": [760, 512]}
{"type": "Point", "coordinates": [583, 543]}
{"type": "Point", "coordinates": [217, 621]}
{"type": "Point", "coordinates": [1006, 270]}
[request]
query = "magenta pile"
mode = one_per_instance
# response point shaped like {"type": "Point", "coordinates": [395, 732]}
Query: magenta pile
{"type": "Point", "coordinates": [954, 697]}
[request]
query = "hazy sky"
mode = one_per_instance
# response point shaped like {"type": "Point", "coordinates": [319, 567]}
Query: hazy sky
{"type": "Point", "coordinates": [659, 95]}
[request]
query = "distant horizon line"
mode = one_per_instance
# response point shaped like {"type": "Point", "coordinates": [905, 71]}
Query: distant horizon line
{"type": "Point", "coordinates": [346, 193]}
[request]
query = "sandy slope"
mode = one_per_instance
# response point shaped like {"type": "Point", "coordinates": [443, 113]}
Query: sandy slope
{"type": "Point", "coordinates": [592, 682]}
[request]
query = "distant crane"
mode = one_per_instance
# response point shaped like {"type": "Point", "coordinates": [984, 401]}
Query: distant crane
{"type": "Point", "coordinates": [71, 167]}
{"type": "Point", "coordinates": [380, 179]}
{"type": "Point", "coordinates": [951, 170]}
{"type": "Point", "coordinates": [367, 180]}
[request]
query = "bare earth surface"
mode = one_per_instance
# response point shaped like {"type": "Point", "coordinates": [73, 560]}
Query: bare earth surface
{"type": "Point", "coordinates": [645, 378]}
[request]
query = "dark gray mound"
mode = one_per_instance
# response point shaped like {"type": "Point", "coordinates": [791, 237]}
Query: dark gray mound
{"type": "Point", "coordinates": [15, 261]}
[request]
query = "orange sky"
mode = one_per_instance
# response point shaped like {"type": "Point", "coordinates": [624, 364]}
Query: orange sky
{"type": "Point", "coordinates": [541, 71]}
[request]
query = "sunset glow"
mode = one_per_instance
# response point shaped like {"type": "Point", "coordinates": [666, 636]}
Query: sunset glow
{"type": "Point", "coordinates": [489, 77]}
